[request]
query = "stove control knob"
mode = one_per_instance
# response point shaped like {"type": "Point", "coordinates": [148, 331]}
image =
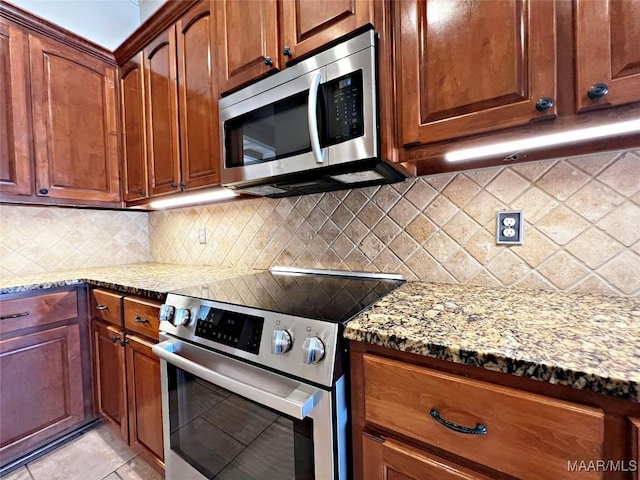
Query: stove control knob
{"type": "Point", "coordinates": [166, 312]}
{"type": "Point", "coordinates": [182, 317]}
{"type": "Point", "coordinates": [280, 342]}
{"type": "Point", "coordinates": [312, 350]}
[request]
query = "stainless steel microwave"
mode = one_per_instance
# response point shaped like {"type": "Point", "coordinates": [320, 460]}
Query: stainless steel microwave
{"type": "Point", "coordinates": [310, 128]}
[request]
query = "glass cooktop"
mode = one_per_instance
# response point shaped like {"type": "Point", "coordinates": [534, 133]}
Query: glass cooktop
{"type": "Point", "coordinates": [319, 294]}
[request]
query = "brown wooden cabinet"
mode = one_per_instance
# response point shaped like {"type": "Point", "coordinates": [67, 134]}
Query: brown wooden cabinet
{"type": "Point", "coordinates": [134, 156]}
{"type": "Point", "coordinates": [607, 53]}
{"type": "Point", "coordinates": [58, 113]}
{"type": "Point", "coordinates": [45, 385]}
{"type": "Point", "coordinates": [256, 39]}
{"type": "Point", "coordinates": [126, 372]}
{"type": "Point", "coordinates": [390, 459]}
{"type": "Point", "coordinates": [176, 109]}
{"type": "Point", "coordinates": [468, 75]}
{"type": "Point", "coordinates": [16, 171]}
{"type": "Point", "coordinates": [471, 67]}
{"type": "Point", "coordinates": [414, 418]}
{"type": "Point", "coordinates": [144, 396]}
{"type": "Point", "coordinates": [110, 373]}
{"type": "Point", "coordinates": [635, 445]}
{"type": "Point", "coordinates": [74, 123]}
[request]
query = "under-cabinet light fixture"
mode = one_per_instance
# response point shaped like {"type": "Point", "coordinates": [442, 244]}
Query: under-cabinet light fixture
{"type": "Point", "coordinates": [540, 141]}
{"type": "Point", "coordinates": [189, 199]}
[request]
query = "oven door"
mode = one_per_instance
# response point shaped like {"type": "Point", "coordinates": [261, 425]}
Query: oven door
{"type": "Point", "coordinates": [226, 419]}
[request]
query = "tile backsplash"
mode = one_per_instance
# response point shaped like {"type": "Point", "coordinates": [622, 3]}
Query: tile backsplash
{"type": "Point", "coordinates": [582, 228]}
{"type": "Point", "coordinates": [49, 239]}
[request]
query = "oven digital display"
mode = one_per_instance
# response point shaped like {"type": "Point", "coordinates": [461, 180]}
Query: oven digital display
{"type": "Point", "coordinates": [234, 329]}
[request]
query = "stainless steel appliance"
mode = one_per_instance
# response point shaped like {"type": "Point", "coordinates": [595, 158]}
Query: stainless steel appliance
{"type": "Point", "coordinates": [254, 374]}
{"type": "Point", "coordinates": [312, 127]}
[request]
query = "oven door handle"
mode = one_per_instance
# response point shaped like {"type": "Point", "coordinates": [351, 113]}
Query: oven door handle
{"type": "Point", "coordinates": [298, 404]}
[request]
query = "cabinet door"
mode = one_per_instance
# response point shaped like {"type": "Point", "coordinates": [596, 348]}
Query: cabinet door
{"type": "Point", "coordinates": [162, 114]}
{"type": "Point", "coordinates": [470, 67]}
{"type": "Point", "coordinates": [607, 52]}
{"type": "Point", "coordinates": [388, 459]}
{"type": "Point", "coordinates": [134, 182]}
{"type": "Point", "coordinates": [310, 24]}
{"type": "Point", "coordinates": [74, 123]}
{"type": "Point", "coordinates": [15, 158]}
{"type": "Point", "coordinates": [247, 39]}
{"type": "Point", "coordinates": [109, 375]}
{"type": "Point", "coordinates": [145, 397]}
{"type": "Point", "coordinates": [198, 98]}
{"type": "Point", "coordinates": [41, 388]}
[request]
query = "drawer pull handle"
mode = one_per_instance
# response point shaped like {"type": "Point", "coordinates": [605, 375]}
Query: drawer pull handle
{"type": "Point", "coordinates": [479, 429]}
{"type": "Point", "coordinates": [140, 320]}
{"type": "Point", "coordinates": [14, 315]}
{"type": "Point", "coordinates": [101, 307]}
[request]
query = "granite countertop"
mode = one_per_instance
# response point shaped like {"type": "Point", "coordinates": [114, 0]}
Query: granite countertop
{"type": "Point", "coordinates": [152, 280]}
{"type": "Point", "coordinates": [587, 342]}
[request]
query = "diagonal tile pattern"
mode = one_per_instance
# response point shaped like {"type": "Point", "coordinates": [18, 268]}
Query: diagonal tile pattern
{"type": "Point", "coordinates": [48, 239]}
{"type": "Point", "coordinates": [582, 227]}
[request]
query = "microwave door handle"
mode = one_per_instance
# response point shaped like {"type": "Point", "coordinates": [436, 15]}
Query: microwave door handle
{"type": "Point", "coordinates": [318, 153]}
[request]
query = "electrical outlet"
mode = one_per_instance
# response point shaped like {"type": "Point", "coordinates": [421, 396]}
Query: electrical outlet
{"type": "Point", "coordinates": [202, 235]}
{"type": "Point", "coordinates": [509, 227]}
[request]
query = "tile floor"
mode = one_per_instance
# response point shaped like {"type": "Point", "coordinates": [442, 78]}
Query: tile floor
{"type": "Point", "coordinates": [98, 454]}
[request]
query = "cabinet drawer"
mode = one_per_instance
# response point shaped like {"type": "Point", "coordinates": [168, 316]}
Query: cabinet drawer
{"type": "Point", "coordinates": [45, 309]}
{"type": "Point", "coordinates": [106, 306]}
{"type": "Point", "coordinates": [522, 428]}
{"type": "Point", "coordinates": [142, 316]}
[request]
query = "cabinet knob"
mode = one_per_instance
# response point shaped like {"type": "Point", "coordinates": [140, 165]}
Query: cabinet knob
{"type": "Point", "coordinates": [597, 90]}
{"type": "Point", "coordinates": [286, 51]}
{"type": "Point", "coordinates": [115, 339]}
{"type": "Point", "coordinates": [183, 185]}
{"type": "Point", "coordinates": [141, 192]}
{"type": "Point", "coordinates": [43, 191]}
{"type": "Point", "coordinates": [174, 185]}
{"type": "Point", "coordinates": [268, 61]}
{"type": "Point", "coordinates": [544, 103]}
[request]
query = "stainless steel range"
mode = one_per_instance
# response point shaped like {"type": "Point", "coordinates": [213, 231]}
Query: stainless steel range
{"type": "Point", "coordinates": [254, 374]}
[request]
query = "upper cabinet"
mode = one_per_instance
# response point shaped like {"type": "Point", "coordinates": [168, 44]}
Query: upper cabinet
{"type": "Point", "coordinates": [470, 67]}
{"type": "Point", "coordinates": [15, 159]}
{"type": "Point", "coordinates": [59, 139]}
{"type": "Point", "coordinates": [308, 25]}
{"type": "Point", "coordinates": [134, 155]}
{"type": "Point", "coordinates": [255, 39]}
{"type": "Point", "coordinates": [198, 98]}
{"type": "Point", "coordinates": [74, 123]}
{"type": "Point", "coordinates": [607, 53]}
{"type": "Point", "coordinates": [469, 74]}
{"type": "Point", "coordinates": [161, 93]}
{"type": "Point", "coordinates": [247, 41]}
{"type": "Point", "coordinates": [170, 110]}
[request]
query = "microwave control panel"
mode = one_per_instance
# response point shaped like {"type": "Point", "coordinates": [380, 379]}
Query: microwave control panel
{"type": "Point", "coordinates": [345, 117]}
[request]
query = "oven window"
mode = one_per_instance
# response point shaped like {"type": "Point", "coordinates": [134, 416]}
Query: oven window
{"type": "Point", "coordinates": [225, 436]}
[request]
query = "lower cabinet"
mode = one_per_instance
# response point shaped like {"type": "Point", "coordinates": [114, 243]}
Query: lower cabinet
{"type": "Point", "coordinates": [389, 459]}
{"type": "Point", "coordinates": [420, 418]}
{"type": "Point", "coordinates": [127, 373]}
{"type": "Point", "coordinates": [45, 382]}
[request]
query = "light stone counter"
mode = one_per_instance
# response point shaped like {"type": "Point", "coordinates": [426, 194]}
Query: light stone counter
{"type": "Point", "coordinates": [587, 342]}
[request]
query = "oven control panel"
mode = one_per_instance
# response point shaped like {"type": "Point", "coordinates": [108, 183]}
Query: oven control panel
{"type": "Point", "coordinates": [234, 329]}
{"type": "Point", "coordinates": [298, 346]}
